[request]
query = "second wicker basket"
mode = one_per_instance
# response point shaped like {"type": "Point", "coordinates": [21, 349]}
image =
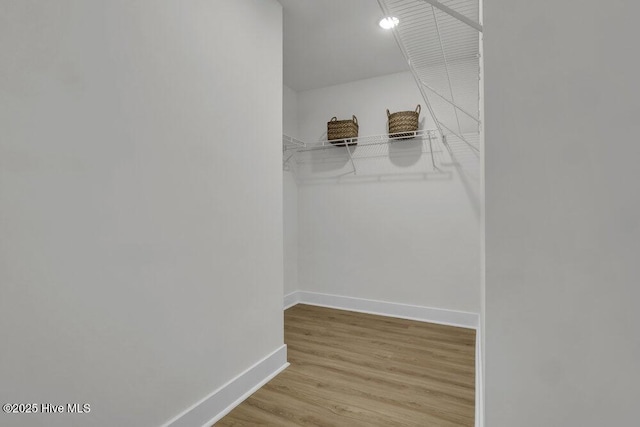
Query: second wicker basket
{"type": "Point", "coordinates": [403, 124]}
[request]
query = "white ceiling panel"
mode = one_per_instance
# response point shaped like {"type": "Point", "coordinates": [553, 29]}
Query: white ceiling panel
{"type": "Point", "coordinates": [329, 42]}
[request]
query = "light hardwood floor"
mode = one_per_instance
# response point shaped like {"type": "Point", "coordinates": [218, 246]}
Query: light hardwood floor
{"type": "Point", "coordinates": [352, 369]}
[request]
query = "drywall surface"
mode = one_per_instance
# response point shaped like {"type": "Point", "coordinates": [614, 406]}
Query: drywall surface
{"type": "Point", "coordinates": [141, 203]}
{"type": "Point", "coordinates": [562, 214]}
{"type": "Point", "coordinates": [399, 231]}
{"type": "Point", "coordinates": [290, 220]}
{"type": "Point", "coordinates": [289, 111]}
{"type": "Point", "coordinates": [290, 196]}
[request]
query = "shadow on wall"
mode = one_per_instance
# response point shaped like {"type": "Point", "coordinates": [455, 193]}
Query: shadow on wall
{"type": "Point", "coordinates": [329, 160]}
{"type": "Point", "coordinates": [401, 161]}
{"type": "Point", "coordinates": [402, 154]}
{"type": "Point", "coordinates": [405, 153]}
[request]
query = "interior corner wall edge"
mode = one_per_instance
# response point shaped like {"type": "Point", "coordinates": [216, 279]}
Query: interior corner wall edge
{"type": "Point", "coordinates": [562, 344]}
{"type": "Point", "coordinates": [141, 199]}
{"type": "Point", "coordinates": [290, 196]}
{"type": "Point", "coordinates": [480, 340]}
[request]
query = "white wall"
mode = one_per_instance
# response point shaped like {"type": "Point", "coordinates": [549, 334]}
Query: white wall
{"type": "Point", "coordinates": [399, 231]}
{"type": "Point", "coordinates": [289, 111]}
{"type": "Point", "coordinates": [290, 196]}
{"type": "Point", "coordinates": [562, 213]}
{"type": "Point", "coordinates": [140, 232]}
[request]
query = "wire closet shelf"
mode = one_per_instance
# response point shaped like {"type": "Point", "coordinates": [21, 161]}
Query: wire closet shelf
{"type": "Point", "coordinates": [440, 40]}
{"type": "Point", "coordinates": [293, 146]}
{"type": "Point", "coordinates": [290, 143]}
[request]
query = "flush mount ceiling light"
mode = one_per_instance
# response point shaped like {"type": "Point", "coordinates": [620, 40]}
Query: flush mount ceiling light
{"type": "Point", "coordinates": [389, 22]}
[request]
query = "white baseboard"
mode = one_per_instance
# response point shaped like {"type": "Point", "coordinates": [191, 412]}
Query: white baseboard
{"type": "Point", "coordinates": [220, 402]}
{"type": "Point", "coordinates": [404, 311]}
{"type": "Point", "coordinates": [291, 299]}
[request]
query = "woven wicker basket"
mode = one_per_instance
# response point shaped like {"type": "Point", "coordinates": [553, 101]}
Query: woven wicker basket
{"type": "Point", "coordinates": [403, 124]}
{"type": "Point", "coordinates": [342, 130]}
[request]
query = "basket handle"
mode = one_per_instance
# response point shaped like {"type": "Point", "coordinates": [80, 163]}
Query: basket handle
{"type": "Point", "coordinates": [333, 119]}
{"type": "Point", "coordinates": [355, 120]}
{"type": "Point", "coordinates": [388, 113]}
{"type": "Point", "coordinates": [418, 109]}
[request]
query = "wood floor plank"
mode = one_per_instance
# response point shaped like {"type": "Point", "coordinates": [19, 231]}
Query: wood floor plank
{"type": "Point", "coordinates": [354, 369]}
{"type": "Point", "coordinates": [398, 355]}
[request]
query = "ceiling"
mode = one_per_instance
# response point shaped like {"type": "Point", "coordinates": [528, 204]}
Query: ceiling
{"type": "Point", "coordinates": [328, 42]}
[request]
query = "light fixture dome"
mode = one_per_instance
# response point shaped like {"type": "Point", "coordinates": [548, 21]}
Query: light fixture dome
{"type": "Point", "coordinates": [389, 22]}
